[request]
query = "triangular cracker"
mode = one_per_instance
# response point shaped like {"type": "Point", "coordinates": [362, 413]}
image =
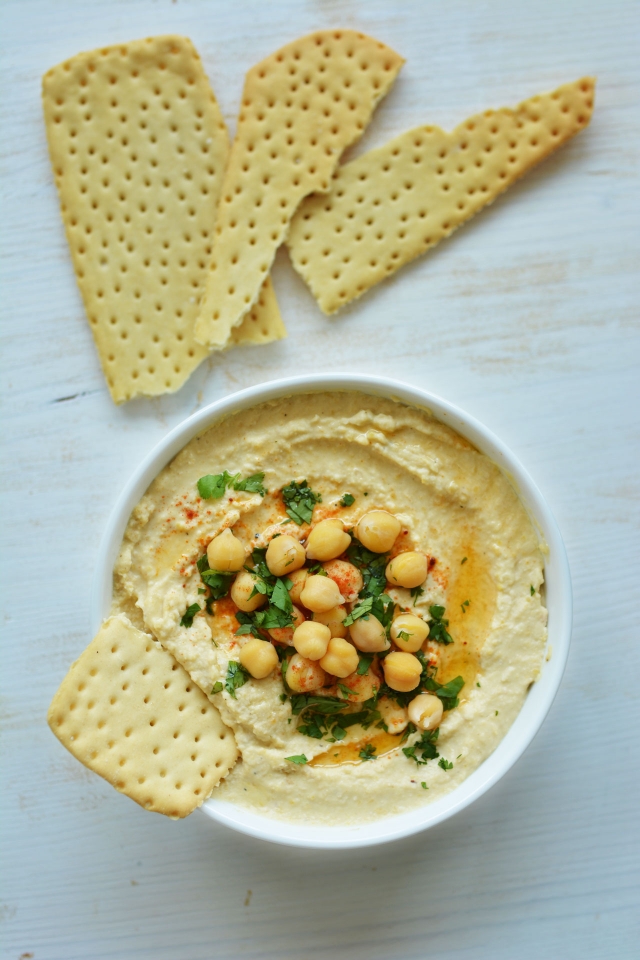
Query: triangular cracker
{"type": "Point", "coordinates": [139, 148]}
{"type": "Point", "coordinates": [128, 711]}
{"type": "Point", "coordinates": [394, 203]}
{"type": "Point", "coordinates": [301, 107]}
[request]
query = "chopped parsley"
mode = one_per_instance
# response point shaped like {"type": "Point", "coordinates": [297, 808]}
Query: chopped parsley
{"type": "Point", "coordinates": [236, 677]}
{"type": "Point", "coordinates": [424, 786]}
{"type": "Point", "coordinates": [330, 717]}
{"type": "Point", "coordinates": [347, 499]}
{"type": "Point", "coordinates": [464, 605]}
{"type": "Point", "coordinates": [464, 560]}
{"type": "Point", "coordinates": [218, 583]}
{"type": "Point", "coordinates": [364, 662]}
{"type": "Point", "coordinates": [438, 625]}
{"type": "Point", "coordinates": [189, 614]}
{"type": "Point", "coordinates": [299, 500]}
{"type": "Point", "coordinates": [416, 593]}
{"type": "Point", "coordinates": [299, 759]}
{"type": "Point", "coordinates": [445, 764]}
{"type": "Point", "coordinates": [368, 752]}
{"type": "Point", "coordinates": [279, 611]}
{"type": "Point", "coordinates": [213, 486]}
{"type": "Point", "coordinates": [533, 590]}
{"type": "Point", "coordinates": [371, 566]}
{"type": "Point", "coordinates": [217, 687]}
{"type": "Point", "coordinates": [424, 749]}
{"type": "Point", "coordinates": [381, 607]}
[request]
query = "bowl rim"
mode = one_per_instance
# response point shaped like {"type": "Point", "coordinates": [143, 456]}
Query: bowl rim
{"type": "Point", "coordinates": [558, 596]}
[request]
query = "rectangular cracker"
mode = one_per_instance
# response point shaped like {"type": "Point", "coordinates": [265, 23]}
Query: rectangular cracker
{"type": "Point", "coordinates": [138, 148]}
{"type": "Point", "coordinates": [128, 711]}
{"type": "Point", "coordinates": [398, 201]}
{"type": "Point", "coordinates": [301, 107]}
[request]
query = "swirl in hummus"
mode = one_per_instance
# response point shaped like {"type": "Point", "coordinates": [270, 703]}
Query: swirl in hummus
{"type": "Point", "coordinates": [484, 573]}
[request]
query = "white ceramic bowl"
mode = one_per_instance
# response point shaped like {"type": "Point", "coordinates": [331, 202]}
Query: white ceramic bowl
{"type": "Point", "coordinates": [558, 600]}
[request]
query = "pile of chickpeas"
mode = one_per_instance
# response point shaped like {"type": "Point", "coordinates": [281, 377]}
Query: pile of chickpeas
{"type": "Point", "coordinates": [324, 645]}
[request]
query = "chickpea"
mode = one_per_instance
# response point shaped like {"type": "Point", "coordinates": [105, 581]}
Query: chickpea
{"type": "Point", "coordinates": [348, 578]}
{"type": "Point", "coordinates": [320, 593]}
{"type": "Point", "coordinates": [409, 632]}
{"type": "Point", "coordinates": [311, 639]}
{"type": "Point", "coordinates": [297, 578]}
{"type": "Point", "coordinates": [285, 634]}
{"type": "Point", "coordinates": [334, 619]}
{"type": "Point", "coordinates": [226, 553]}
{"type": "Point", "coordinates": [304, 675]}
{"type": "Point", "coordinates": [369, 635]}
{"type": "Point", "coordinates": [341, 658]}
{"type": "Point", "coordinates": [259, 658]}
{"type": "Point", "coordinates": [284, 555]}
{"type": "Point", "coordinates": [377, 530]}
{"type": "Point", "coordinates": [327, 540]}
{"type": "Point", "coordinates": [393, 715]}
{"type": "Point", "coordinates": [402, 671]}
{"type": "Point", "coordinates": [241, 590]}
{"type": "Point", "coordinates": [407, 569]}
{"type": "Point", "coordinates": [425, 711]}
{"type": "Point", "coordinates": [362, 687]}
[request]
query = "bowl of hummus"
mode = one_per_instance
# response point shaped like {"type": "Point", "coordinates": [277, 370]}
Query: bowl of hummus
{"type": "Point", "coordinates": [365, 582]}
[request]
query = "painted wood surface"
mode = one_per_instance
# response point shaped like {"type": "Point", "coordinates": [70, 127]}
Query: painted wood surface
{"type": "Point", "coordinates": [528, 318]}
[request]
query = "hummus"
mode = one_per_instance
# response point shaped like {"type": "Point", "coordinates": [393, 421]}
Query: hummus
{"type": "Point", "coordinates": [485, 568]}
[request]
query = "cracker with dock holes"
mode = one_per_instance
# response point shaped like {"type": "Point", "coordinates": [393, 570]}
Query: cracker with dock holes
{"type": "Point", "coordinates": [301, 107]}
{"type": "Point", "coordinates": [139, 148]}
{"type": "Point", "coordinates": [130, 712]}
{"type": "Point", "coordinates": [397, 201]}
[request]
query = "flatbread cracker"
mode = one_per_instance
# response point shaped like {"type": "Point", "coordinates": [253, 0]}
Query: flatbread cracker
{"type": "Point", "coordinates": [138, 148]}
{"type": "Point", "coordinates": [128, 711]}
{"type": "Point", "coordinates": [301, 107]}
{"type": "Point", "coordinates": [396, 202]}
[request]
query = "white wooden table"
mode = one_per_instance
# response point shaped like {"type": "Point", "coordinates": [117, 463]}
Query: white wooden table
{"type": "Point", "coordinates": [528, 318]}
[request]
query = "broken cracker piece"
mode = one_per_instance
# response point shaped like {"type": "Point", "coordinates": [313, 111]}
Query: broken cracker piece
{"type": "Point", "coordinates": [395, 202]}
{"type": "Point", "coordinates": [128, 711]}
{"type": "Point", "coordinates": [139, 148]}
{"type": "Point", "coordinates": [301, 107]}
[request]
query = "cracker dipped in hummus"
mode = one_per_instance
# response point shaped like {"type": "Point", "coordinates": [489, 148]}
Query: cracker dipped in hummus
{"type": "Point", "coordinates": [357, 589]}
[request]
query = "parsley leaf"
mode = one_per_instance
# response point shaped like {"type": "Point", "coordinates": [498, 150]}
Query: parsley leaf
{"type": "Point", "coordinates": [381, 607]}
{"type": "Point", "coordinates": [217, 687]}
{"type": "Point", "coordinates": [252, 484]}
{"type": "Point", "coordinates": [213, 485]}
{"type": "Point", "coordinates": [424, 749]}
{"type": "Point", "coordinates": [445, 764]}
{"type": "Point", "coordinates": [299, 500]}
{"type": "Point", "coordinates": [424, 785]}
{"type": "Point", "coordinates": [416, 593]}
{"type": "Point", "coordinates": [330, 717]}
{"type": "Point", "coordinates": [438, 625]}
{"type": "Point", "coordinates": [364, 662]}
{"type": "Point", "coordinates": [280, 597]}
{"type": "Point", "coordinates": [447, 693]}
{"type": "Point", "coordinates": [368, 752]}
{"type": "Point", "coordinates": [300, 759]}
{"type": "Point", "coordinates": [189, 614]}
{"type": "Point", "coordinates": [347, 499]}
{"type": "Point", "coordinates": [464, 560]}
{"type": "Point", "coordinates": [533, 590]}
{"type": "Point", "coordinates": [218, 583]}
{"type": "Point", "coordinates": [236, 677]}
{"type": "Point", "coordinates": [372, 567]}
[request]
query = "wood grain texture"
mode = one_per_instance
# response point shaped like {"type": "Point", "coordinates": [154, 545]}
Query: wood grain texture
{"type": "Point", "coordinates": [528, 318]}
